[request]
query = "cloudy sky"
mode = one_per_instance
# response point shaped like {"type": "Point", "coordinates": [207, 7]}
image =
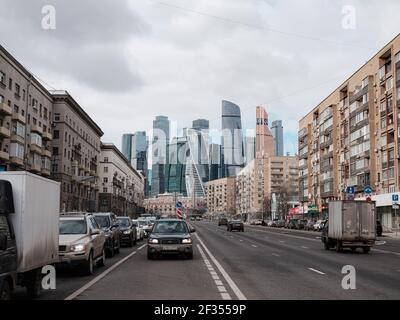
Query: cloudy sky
{"type": "Point", "coordinates": [127, 61]}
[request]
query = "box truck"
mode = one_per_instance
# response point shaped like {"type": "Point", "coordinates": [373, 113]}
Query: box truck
{"type": "Point", "coordinates": [351, 224]}
{"type": "Point", "coordinates": [29, 217]}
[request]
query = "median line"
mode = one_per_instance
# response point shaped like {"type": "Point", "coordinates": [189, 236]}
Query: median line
{"type": "Point", "coordinates": [226, 276]}
{"type": "Point", "coordinates": [316, 271]}
{"type": "Point", "coordinates": [102, 275]}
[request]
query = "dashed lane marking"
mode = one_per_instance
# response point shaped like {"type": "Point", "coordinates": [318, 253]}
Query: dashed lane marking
{"type": "Point", "coordinates": [316, 271]}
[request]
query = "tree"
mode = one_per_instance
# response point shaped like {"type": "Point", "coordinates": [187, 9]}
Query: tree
{"type": "Point", "coordinates": [266, 208]}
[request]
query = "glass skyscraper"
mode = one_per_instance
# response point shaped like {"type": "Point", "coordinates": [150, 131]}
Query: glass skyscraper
{"type": "Point", "coordinates": [175, 169]}
{"type": "Point", "coordinates": [140, 145]}
{"type": "Point", "coordinates": [127, 146]}
{"type": "Point", "coordinates": [232, 139]}
{"type": "Point", "coordinates": [277, 132]}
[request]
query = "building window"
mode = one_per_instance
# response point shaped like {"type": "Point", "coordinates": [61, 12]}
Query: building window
{"type": "Point", "coordinates": [105, 159]}
{"type": "Point", "coordinates": [389, 84]}
{"type": "Point", "coordinates": [1, 99]}
{"type": "Point", "coordinates": [17, 150]}
{"type": "Point", "coordinates": [105, 180]}
{"type": "Point", "coordinates": [56, 134]}
{"type": "Point", "coordinates": [56, 117]}
{"type": "Point", "coordinates": [10, 84]}
{"type": "Point", "coordinates": [2, 78]}
{"type": "Point", "coordinates": [105, 190]}
{"type": "Point", "coordinates": [105, 169]}
{"type": "Point", "coordinates": [397, 57]}
{"type": "Point", "coordinates": [17, 90]}
{"type": "Point", "coordinates": [55, 151]}
{"type": "Point", "coordinates": [19, 129]}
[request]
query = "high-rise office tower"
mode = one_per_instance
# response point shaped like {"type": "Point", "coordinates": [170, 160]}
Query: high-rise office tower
{"type": "Point", "coordinates": [201, 124]}
{"type": "Point", "coordinates": [127, 146]}
{"type": "Point", "coordinates": [232, 139]}
{"type": "Point", "coordinates": [249, 149]}
{"type": "Point", "coordinates": [140, 145]}
{"type": "Point", "coordinates": [161, 131]}
{"type": "Point", "coordinates": [175, 169]}
{"type": "Point", "coordinates": [215, 161]}
{"type": "Point", "coordinates": [277, 132]}
{"type": "Point", "coordinates": [264, 137]}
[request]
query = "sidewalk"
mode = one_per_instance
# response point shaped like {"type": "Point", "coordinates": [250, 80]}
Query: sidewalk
{"type": "Point", "coordinates": [392, 235]}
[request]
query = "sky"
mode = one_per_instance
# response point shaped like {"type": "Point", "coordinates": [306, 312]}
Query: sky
{"type": "Point", "coordinates": [126, 61]}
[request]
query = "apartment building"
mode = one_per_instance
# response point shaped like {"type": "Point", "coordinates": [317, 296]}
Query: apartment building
{"type": "Point", "coordinates": [221, 196]}
{"type": "Point", "coordinates": [263, 177]}
{"type": "Point", "coordinates": [165, 204]}
{"type": "Point", "coordinates": [25, 119]}
{"type": "Point", "coordinates": [121, 186]}
{"type": "Point", "coordinates": [76, 152]}
{"type": "Point", "coordinates": [351, 139]}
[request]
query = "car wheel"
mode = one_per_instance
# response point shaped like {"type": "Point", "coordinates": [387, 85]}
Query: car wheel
{"type": "Point", "coordinates": [150, 256]}
{"type": "Point", "coordinates": [189, 256]}
{"type": "Point", "coordinates": [111, 251]}
{"type": "Point", "coordinates": [88, 265]}
{"type": "Point", "coordinates": [326, 245]}
{"type": "Point", "coordinates": [34, 284]}
{"type": "Point", "coordinates": [5, 291]}
{"type": "Point", "coordinates": [339, 246]}
{"type": "Point", "coordinates": [102, 261]}
{"type": "Point", "coordinates": [366, 250]}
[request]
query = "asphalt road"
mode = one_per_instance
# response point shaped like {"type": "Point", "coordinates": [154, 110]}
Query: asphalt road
{"type": "Point", "coordinates": [260, 263]}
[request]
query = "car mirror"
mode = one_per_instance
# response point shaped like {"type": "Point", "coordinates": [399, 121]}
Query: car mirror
{"type": "Point", "coordinates": [3, 242]}
{"type": "Point", "coordinates": [192, 230]}
{"type": "Point", "coordinates": [95, 232]}
{"type": "Point", "coordinates": [115, 226]}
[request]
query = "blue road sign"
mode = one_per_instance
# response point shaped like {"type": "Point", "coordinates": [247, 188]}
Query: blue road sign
{"type": "Point", "coordinates": [179, 204]}
{"type": "Point", "coordinates": [350, 190]}
{"type": "Point", "coordinates": [368, 190]}
{"type": "Point", "coordinates": [395, 198]}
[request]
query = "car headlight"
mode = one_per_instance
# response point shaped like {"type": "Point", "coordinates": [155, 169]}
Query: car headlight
{"type": "Point", "coordinates": [153, 240]}
{"type": "Point", "coordinates": [127, 232]}
{"type": "Point", "coordinates": [78, 247]}
{"type": "Point", "coordinates": [187, 240]}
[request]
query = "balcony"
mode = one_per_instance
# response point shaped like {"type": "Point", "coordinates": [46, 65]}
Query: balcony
{"type": "Point", "coordinates": [4, 156]}
{"type": "Point", "coordinates": [81, 166]}
{"type": "Point", "coordinates": [36, 168]}
{"type": "Point", "coordinates": [45, 172]}
{"type": "Point", "coordinates": [37, 129]}
{"type": "Point", "coordinates": [92, 173]}
{"type": "Point", "coordinates": [17, 161]}
{"type": "Point", "coordinates": [18, 117]}
{"type": "Point", "coordinates": [17, 138]}
{"type": "Point", "coordinates": [46, 153]}
{"type": "Point", "coordinates": [5, 109]}
{"type": "Point", "coordinates": [36, 149]}
{"type": "Point", "coordinates": [47, 136]}
{"type": "Point", "coordinates": [5, 132]}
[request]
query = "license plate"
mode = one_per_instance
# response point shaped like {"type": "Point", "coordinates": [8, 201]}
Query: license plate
{"type": "Point", "coordinates": [170, 248]}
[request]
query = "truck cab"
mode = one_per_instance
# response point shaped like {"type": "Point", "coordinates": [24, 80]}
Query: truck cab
{"type": "Point", "coordinates": [8, 247]}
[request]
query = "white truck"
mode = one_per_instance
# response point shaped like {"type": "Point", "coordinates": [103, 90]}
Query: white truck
{"type": "Point", "coordinates": [351, 224]}
{"type": "Point", "coordinates": [29, 217]}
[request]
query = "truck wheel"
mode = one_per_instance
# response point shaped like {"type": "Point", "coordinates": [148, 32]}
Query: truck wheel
{"type": "Point", "coordinates": [326, 245]}
{"type": "Point", "coordinates": [5, 291]}
{"type": "Point", "coordinates": [339, 246]}
{"type": "Point", "coordinates": [88, 265]}
{"type": "Point", "coordinates": [34, 284]}
{"type": "Point", "coordinates": [366, 250]}
{"type": "Point", "coordinates": [102, 261]}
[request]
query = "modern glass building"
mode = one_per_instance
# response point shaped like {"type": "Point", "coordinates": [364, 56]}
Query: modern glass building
{"type": "Point", "coordinates": [175, 169]}
{"type": "Point", "coordinates": [127, 146]}
{"type": "Point", "coordinates": [140, 145]}
{"type": "Point", "coordinates": [161, 132]}
{"type": "Point", "coordinates": [215, 161]}
{"type": "Point", "coordinates": [277, 132]}
{"type": "Point", "coordinates": [201, 124]}
{"type": "Point", "coordinates": [249, 149]}
{"type": "Point", "coordinates": [232, 139]}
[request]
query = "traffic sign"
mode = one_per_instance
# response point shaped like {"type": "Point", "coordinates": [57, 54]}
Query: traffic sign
{"type": "Point", "coordinates": [396, 207]}
{"type": "Point", "coordinates": [368, 190]}
{"type": "Point", "coordinates": [395, 198]}
{"type": "Point", "coordinates": [369, 199]}
{"type": "Point", "coordinates": [350, 190]}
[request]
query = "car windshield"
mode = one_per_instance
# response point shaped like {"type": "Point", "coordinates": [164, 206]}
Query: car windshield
{"type": "Point", "coordinates": [72, 227]}
{"type": "Point", "coordinates": [134, 223]}
{"type": "Point", "coordinates": [124, 223]}
{"type": "Point", "coordinates": [142, 223]}
{"type": "Point", "coordinates": [103, 221]}
{"type": "Point", "coordinates": [170, 227]}
{"type": "Point", "coordinates": [236, 221]}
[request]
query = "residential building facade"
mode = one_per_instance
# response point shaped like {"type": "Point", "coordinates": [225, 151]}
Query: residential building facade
{"type": "Point", "coordinates": [120, 185]}
{"type": "Point", "coordinates": [264, 138]}
{"type": "Point", "coordinates": [221, 196]}
{"type": "Point", "coordinates": [25, 119]}
{"type": "Point", "coordinates": [75, 154]}
{"type": "Point", "coordinates": [351, 139]}
{"type": "Point", "coordinates": [165, 205]}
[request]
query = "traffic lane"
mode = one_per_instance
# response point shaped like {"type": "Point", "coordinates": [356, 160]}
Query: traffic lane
{"type": "Point", "coordinates": [70, 279]}
{"type": "Point", "coordinates": [377, 276]}
{"type": "Point", "coordinates": [168, 278]}
{"type": "Point", "coordinates": [387, 243]}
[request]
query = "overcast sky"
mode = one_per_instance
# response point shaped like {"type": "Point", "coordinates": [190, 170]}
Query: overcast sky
{"type": "Point", "coordinates": [127, 61]}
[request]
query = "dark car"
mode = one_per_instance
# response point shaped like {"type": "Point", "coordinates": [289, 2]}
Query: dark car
{"type": "Point", "coordinates": [108, 223]}
{"type": "Point", "coordinates": [292, 224]}
{"type": "Point", "coordinates": [280, 224]}
{"type": "Point", "coordinates": [309, 226]}
{"type": "Point", "coordinates": [235, 225]}
{"type": "Point", "coordinates": [127, 231]}
{"type": "Point", "coordinates": [222, 222]}
{"type": "Point", "coordinates": [170, 236]}
{"type": "Point", "coordinates": [379, 229]}
{"type": "Point", "coordinates": [301, 224]}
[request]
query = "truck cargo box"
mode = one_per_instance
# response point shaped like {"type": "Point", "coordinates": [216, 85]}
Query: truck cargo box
{"type": "Point", "coordinates": [352, 220]}
{"type": "Point", "coordinates": [36, 218]}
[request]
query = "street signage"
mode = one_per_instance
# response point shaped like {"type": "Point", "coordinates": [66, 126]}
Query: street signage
{"type": "Point", "coordinates": [396, 207]}
{"type": "Point", "coordinates": [350, 196]}
{"type": "Point", "coordinates": [369, 199]}
{"type": "Point", "coordinates": [395, 198]}
{"type": "Point", "coordinates": [368, 190]}
{"type": "Point", "coordinates": [350, 190]}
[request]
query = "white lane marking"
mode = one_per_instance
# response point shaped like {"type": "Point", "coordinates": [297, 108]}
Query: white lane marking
{"type": "Point", "coordinates": [385, 251]}
{"type": "Point", "coordinates": [254, 246]}
{"type": "Point", "coordinates": [221, 289]}
{"type": "Point", "coordinates": [241, 240]}
{"type": "Point", "coordinates": [287, 235]}
{"type": "Point", "coordinates": [276, 255]}
{"type": "Point", "coordinates": [380, 243]}
{"type": "Point", "coordinates": [239, 294]}
{"type": "Point", "coordinates": [305, 247]}
{"type": "Point", "coordinates": [317, 271]}
{"type": "Point", "coordinates": [102, 275]}
{"type": "Point", "coordinates": [281, 241]}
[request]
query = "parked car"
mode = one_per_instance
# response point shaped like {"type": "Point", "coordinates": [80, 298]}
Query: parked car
{"type": "Point", "coordinates": [318, 225]}
{"type": "Point", "coordinates": [108, 223]}
{"type": "Point", "coordinates": [270, 223]}
{"type": "Point", "coordinates": [235, 225]}
{"type": "Point", "coordinates": [292, 224]}
{"type": "Point", "coordinates": [301, 224]}
{"type": "Point", "coordinates": [280, 224]}
{"type": "Point", "coordinates": [309, 226]}
{"type": "Point", "coordinates": [222, 222]}
{"type": "Point", "coordinates": [139, 230]}
{"type": "Point", "coordinates": [145, 224]}
{"type": "Point", "coordinates": [81, 242]}
{"type": "Point", "coordinates": [379, 229]}
{"type": "Point", "coordinates": [256, 222]}
{"type": "Point", "coordinates": [127, 231]}
{"type": "Point", "coordinates": [170, 236]}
